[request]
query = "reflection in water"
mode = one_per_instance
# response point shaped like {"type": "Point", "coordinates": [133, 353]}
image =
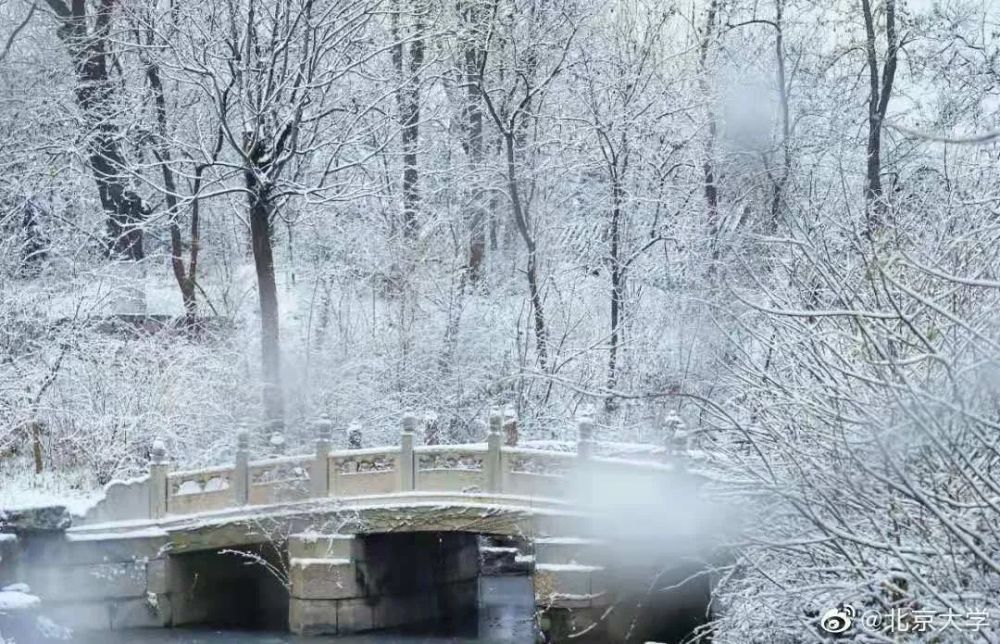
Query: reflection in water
{"type": "Point", "coordinates": [506, 615]}
{"type": "Point", "coordinates": [192, 636]}
{"type": "Point", "coordinates": [506, 609]}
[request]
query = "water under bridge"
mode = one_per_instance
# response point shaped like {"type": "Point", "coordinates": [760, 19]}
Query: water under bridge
{"type": "Point", "coordinates": [348, 541]}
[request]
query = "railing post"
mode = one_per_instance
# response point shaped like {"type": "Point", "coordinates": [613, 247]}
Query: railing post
{"type": "Point", "coordinates": [585, 438]}
{"type": "Point", "coordinates": [494, 441]}
{"type": "Point", "coordinates": [406, 474]}
{"type": "Point", "coordinates": [241, 472]}
{"type": "Point", "coordinates": [158, 490]}
{"type": "Point", "coordinates": [276, 438]}
{"type": "Point", "coordinates": [319, 476]}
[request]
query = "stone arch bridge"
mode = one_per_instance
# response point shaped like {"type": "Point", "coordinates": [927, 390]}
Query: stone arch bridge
{"type": "Point", "coordinates": [349, 541]}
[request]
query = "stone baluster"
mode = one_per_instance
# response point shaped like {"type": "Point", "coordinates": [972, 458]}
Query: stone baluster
{"type": "Point", "coordinates": [241, 472]}
{"type": "Point", "coordinates": [406, 470]}
{"type": "Point", "coordinates": [319, 476]}
{"type": "Point", "coordinates": [494, 442]}
{"type": "Point", "coordinates": [276, 438]}
{"type": "Point", "coordinates": [158, 490]}
{"type": "Point", "coordinates": [585, 438]}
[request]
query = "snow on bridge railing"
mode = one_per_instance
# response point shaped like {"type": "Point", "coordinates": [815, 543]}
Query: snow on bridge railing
{"type": "Point", "coordinates": [492, 467]}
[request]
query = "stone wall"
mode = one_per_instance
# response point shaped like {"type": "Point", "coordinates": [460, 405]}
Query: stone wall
{"type": "Point", "coordinates": [90, 584]}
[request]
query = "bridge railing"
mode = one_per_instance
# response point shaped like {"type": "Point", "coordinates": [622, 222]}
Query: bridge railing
{"type": "Point", "coordinates": [534, 472]}
{"type": "Point", "coordinates": [474, 468]}
{"type": "Point", "coordinates": [362, 472]}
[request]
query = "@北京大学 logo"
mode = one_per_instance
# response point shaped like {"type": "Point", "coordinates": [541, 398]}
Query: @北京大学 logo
{"type": "Point", "coordinates": [838, 620]}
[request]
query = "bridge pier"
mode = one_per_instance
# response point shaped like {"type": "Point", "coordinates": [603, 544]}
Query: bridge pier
{"type": "Point", "coordinates": [343, 584]}
{"type": "Point", "coordinates": [323, 581]}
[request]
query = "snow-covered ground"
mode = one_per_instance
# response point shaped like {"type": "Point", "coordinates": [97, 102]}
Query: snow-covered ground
{"type": "Point", "coordinates": [22, 488]}
{"type": "Point", "coordinates": [17, 598]}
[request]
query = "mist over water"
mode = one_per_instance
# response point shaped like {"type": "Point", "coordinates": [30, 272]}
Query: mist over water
{"type": "Point", "coordinates": [660, 539]}
{"type": "Point", "coordinates": [646, 518]}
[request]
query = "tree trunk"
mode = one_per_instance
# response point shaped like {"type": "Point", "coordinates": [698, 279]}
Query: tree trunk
{"type": "Point", "coordinates": [778, 186]}
{"type": "Point", "coordinates": [184, 279]}
{"type": "Point", "coordinates": [880, 90]}
{"type": "Point", "coordinates": [617, 284]}
{"type": "Point", "coordinates": [36, 445]}
{"type": "Point", "coordinates": [34, 249]}
{"type": "Point", "coordinates": [94, 93]}
{"type": "Point", "coordinates": [408, 101]}
{"type": "Point", "coordinates": [261, 210]}
{"type": "Point", "coordinates": [711, 190]}
{"type": "Point", "coordinates": [476, 215]}
{"type": "Point", "coordinates": [472, 117]}
{"type": "Point", "coordinates": [520, 219]}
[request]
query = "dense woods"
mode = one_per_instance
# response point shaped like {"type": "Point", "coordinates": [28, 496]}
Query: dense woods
{"type": "Point", "coordinates": [776, 221]}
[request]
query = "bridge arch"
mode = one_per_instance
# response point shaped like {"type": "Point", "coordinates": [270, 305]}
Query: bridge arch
{"type": "Point", "coordinates": [393, 494]}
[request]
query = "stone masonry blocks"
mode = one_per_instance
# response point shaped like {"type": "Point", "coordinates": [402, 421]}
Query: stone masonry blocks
{"type": "Point", "coordinates": [312, 545]}
{"type": "Point", "coordinates": [324, 579]}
